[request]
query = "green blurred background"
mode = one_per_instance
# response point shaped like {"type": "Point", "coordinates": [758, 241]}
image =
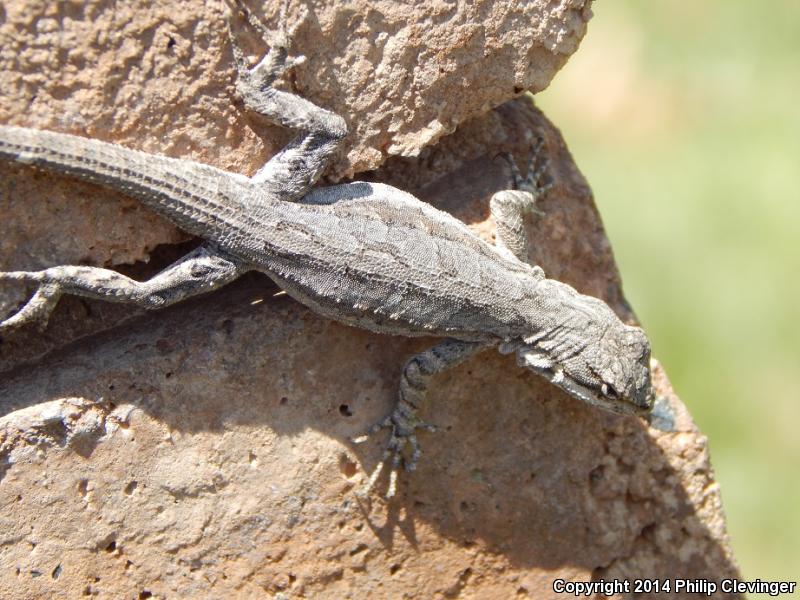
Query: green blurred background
{"type": "Point", "coordinates": [685, 119]}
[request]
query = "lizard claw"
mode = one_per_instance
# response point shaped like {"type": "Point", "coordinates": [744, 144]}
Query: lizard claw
{"type": "Point", "coordinates": [538, 179]}
{"type": "Point", "coordinates": [40, 305]}
{"type": "Point", "coordinates": [288, 31]}
{"type": "Point", "coordinates": [403, 426]}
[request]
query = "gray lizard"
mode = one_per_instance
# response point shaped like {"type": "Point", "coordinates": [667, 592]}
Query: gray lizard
{"type": "Point", "coordinates": [364, 254]}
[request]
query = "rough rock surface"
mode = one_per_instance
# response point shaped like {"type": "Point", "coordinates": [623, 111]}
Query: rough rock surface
{"type": "Point", "coordinates": [203, 451]}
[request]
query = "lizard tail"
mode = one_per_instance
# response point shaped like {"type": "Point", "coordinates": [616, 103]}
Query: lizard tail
{"type": "Point", "coordinates": [190, 194]}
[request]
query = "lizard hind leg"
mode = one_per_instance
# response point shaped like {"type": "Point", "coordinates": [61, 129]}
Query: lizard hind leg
{"type": "Point", "coordinates": [291, 173]}
{"type": "Point", "coordinates": [202, 270]}
{"type": "Point", "coordinates": [404, 421]}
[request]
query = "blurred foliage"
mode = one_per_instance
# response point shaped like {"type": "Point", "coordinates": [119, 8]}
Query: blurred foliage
{"type": "Point", "coordinates": [685, 119]}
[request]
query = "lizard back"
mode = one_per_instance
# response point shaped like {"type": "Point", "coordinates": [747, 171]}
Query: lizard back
{"type": "Point", "coordinates": [374, 256]}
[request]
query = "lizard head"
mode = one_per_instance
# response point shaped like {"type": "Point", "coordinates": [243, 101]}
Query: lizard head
{"type": "Point", "coordinates": [612, 372]}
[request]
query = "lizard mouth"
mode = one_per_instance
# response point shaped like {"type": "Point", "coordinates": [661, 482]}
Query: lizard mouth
{"type": "Point", "coordinates": [555, 375]}
{"type": "Point", "coordinates": [616, 405]}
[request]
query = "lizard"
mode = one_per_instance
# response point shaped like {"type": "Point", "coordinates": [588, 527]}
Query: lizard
{"type": "Point", "coordinates": [364, 254]}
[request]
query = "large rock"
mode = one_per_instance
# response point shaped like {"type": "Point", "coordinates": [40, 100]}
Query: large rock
{"type": "Point", "coordinates": [203, 451]}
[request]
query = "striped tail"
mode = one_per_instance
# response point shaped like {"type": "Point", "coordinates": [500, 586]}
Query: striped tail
{"type": "Point", "coordinates": [194, 196]}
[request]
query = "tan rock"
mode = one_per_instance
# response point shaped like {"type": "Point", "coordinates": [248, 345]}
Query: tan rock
{"type": "Point", "coordinates": [203, 451]}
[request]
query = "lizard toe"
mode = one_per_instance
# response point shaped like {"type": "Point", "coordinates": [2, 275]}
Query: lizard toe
{"type": "Point", "coordinates": [403, 434]}
{"type": "Point", "coordinates": [38, 308]}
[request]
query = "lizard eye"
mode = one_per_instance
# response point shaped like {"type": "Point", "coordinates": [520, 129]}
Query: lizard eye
{"type": "Point", "coordinates": [608, 391]}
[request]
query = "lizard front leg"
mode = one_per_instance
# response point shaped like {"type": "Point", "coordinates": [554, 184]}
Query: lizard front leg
{"type": "Point", "coordinates": [509, 207]}
{"type": "Point", "coordinates": [200, 271]}
{"type": "Point", "coordinates": [292, 172]}
{"type": "Point", "coordinates": [404, 421]}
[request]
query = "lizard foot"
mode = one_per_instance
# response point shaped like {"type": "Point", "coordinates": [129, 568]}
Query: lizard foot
{"type": "Point", "coordinates": [537, 180]}
{"type": "Point", "coordinates": [403, 424]}
{"type": "Point", "coordinates": [41, 304]}
{"type": "Point", "coordinates": [277, 60]}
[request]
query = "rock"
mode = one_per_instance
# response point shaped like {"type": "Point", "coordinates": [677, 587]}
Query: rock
{"type": "Point", "coordinates": [202, 451]}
